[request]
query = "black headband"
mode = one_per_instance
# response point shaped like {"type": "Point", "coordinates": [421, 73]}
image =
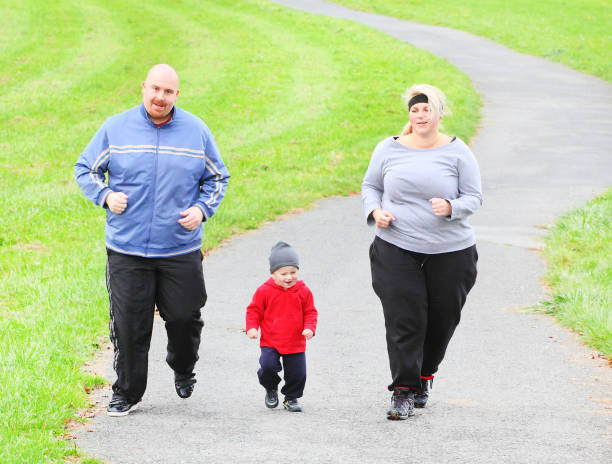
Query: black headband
{"type": "Point", "coordinates": [418, 98]}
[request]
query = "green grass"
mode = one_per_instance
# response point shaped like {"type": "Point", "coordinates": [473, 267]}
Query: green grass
{"type": "Point", "coordinates": [579, 255]}
{"type": "Point", "coordinates": [577, 33]}
{"type": "Point", "coordinates": [296, 103]}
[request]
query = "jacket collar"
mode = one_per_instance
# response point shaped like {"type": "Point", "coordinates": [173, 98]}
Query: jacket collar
{"type": "Point", "coordinates": [143, 112]}
{"type": "Point", "coordinates": [270, 282]}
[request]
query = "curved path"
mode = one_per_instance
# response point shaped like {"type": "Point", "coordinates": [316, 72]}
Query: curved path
{"type": "Point", "coordinates": [514, 388]}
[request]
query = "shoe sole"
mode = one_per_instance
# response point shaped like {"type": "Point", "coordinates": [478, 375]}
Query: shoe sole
{"type": "Point", "coordinates": [124, 413]}
{"type": "Point", "coordinates": [271, 405]}
{"type": "Point", "coordinates": [395, 417]}
{"type": "Point", "coordinates": [292, 410]}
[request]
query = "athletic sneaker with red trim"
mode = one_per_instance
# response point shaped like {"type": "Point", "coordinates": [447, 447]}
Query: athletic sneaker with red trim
{"type": "Point", "coordinates": [402, 404]}
{"type": "Point", "coordinates": [421, 396]}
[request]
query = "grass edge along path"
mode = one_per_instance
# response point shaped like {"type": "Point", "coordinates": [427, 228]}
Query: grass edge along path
{"type": "Point", "coordinates": [296, 103]}
{"type": "Point", "coordinates": [578, 253]}
{"type": "Point", "coordinates": [576, 34]}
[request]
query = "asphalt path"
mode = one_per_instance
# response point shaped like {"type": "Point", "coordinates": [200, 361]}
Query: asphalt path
{"type": "Point", "coordinates": [514, 387]}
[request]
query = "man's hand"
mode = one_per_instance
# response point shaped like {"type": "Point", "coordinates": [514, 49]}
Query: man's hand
{"type": "Point", "coordinates": [117, 202]}
{"type": "Point", "coordinates": [252, 333]}
{"type": "Point", "coordinates": [308, 334]}
{"type": "Point", "coordinates": [192, 218]}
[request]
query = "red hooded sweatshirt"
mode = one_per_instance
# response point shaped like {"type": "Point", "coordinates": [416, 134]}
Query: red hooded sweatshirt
{"type": "Point", "coordinates": [282, 314]}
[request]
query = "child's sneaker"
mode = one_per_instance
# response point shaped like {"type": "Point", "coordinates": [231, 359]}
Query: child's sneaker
{"type": "Point", "coordinates": [271, 398]}
{"type": "Point", "coordinates": [292, 405]}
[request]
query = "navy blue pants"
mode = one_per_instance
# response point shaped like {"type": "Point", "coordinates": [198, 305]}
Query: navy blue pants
{"type": "Point", "coordinates": [422, 296]}
{"type": "Point", "coordinates": [294, 366]}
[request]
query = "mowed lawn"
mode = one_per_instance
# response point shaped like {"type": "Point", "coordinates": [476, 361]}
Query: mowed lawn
{"type": "Point", "coordinates": [296, 102]}
{"type": "Point", "coordinates": [577, 33]}
{"type": "Point", "coordinates": [578, 252]}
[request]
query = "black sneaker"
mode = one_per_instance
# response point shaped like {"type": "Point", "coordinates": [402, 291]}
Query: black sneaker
{"type": "Point", "coordinates": [271, 398]}
{"type": "Point", "coordinates": [421, 396]}
{"type": "Point", "coordinates": [402, 405]}
{"type": "Point", "coordinates": [120, 407]}
{"type": "Point", "coordinates": [292, 405]}
{"type": "Point", "coordinates": [184, 385]}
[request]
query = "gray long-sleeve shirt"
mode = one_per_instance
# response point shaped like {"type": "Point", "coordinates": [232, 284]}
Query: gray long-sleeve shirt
{"type": "Point", "coordinates": [401, 180]}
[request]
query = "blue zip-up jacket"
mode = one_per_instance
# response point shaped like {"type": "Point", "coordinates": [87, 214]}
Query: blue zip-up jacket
{"type": "Point", "coordinates": [163, 170]}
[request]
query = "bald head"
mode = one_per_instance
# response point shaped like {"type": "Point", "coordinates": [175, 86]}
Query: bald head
{"type": "Point", "coordinates": [159, 92]}
{"type": "Point", "coordinates": [163, 71]}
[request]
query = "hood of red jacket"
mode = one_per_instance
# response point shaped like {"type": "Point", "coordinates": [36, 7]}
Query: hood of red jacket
{"type": "Point", "coordinates": [298, 285]}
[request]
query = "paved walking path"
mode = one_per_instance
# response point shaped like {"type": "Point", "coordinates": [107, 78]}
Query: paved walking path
{"type": "Point", "coordinates": [514, 388]}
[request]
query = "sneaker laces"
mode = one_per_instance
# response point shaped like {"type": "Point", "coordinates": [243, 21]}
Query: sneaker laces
{"type": "Point", "coordinates": [401, 400]}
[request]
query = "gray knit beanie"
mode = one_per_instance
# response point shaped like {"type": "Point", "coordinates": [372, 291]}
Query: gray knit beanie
{"type": "Point", "coordinates": [281, 255]}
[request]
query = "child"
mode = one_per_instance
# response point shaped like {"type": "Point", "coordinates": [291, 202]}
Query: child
{"type": "Point", "coordinates": [284, 309]}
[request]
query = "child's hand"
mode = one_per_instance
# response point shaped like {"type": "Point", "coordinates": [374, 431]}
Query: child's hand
{"type": "Point", "coordinates": [308, 334]}
{"type": "Point", "coordinates": [252, 333]}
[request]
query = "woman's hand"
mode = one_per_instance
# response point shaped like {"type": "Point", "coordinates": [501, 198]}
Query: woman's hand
{"type": "Point", "coordinates": [441, 207]}
{"type": "Point", "coordinates": [252, 333]}
{"type": "Point", "coordinates": [308, 334]}
{"type": "Point", "coordinates": [383, 218]}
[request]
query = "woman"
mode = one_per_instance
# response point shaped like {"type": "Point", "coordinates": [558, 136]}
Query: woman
{"type": "Point", "coordinates": [419, 190]}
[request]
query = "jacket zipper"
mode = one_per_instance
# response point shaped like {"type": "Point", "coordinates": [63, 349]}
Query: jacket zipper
{"type": "Point", "coordinates": [154, 190]}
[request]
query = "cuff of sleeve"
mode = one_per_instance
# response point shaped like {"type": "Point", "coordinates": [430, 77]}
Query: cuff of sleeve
{"type": "Point", "coordinates": [103, 196]}
{"type": "Point", "coordinates": [368, 207]}
{"type": "Point", "coordinates": [370, 219]}
{"type": "Point", "coordinates": [204, 215]}
{"type": "Point", "coordinates": [452, 216]}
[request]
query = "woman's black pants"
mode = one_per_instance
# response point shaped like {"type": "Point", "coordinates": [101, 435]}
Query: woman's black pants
{"type": "Point", "coordinates": [422, 296]}
{"type": "Point", "coordinates": [135, 286]}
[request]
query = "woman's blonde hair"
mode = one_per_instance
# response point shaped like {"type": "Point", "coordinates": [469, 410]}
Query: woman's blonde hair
{"type": "Point", "coordinates": [435, 98]}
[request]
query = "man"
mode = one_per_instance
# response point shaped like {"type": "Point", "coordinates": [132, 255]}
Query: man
{"type": "Point", "coordinates": [165, 177]}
